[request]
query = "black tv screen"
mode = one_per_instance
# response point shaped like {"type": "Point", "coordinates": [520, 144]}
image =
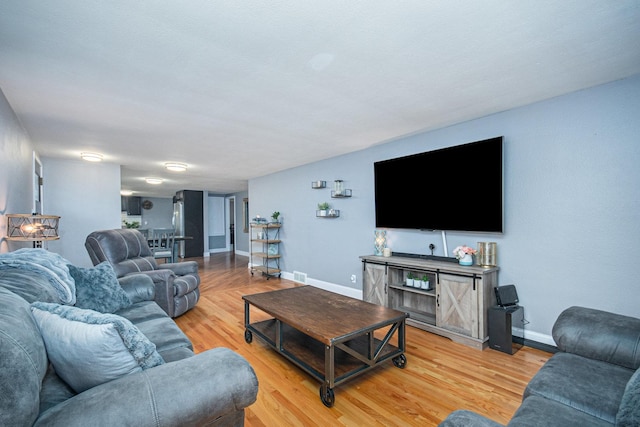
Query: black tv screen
{"type": "Point", "coordinates": [457, 188]}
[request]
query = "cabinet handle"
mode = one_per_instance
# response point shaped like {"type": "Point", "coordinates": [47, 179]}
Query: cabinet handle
{"type": "Point", "coordinates": [385, 288]}
{"type": "Point", "coordinates": [438, 300]}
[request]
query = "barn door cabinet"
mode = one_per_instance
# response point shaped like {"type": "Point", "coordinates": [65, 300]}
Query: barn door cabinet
{"type": "Point", "coordinates": [453, 305]}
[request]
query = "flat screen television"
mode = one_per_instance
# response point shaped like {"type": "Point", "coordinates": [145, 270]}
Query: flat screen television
{"type": "Point", "coordinates": [458, 188]}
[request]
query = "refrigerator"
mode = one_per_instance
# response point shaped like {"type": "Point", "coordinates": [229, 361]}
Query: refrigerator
{"type": "Point", "coordinates": [188, 220]}
{"type": "Point", "coordinates": [178, 223]}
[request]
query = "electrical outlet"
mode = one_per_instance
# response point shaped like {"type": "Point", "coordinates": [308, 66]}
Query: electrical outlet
{"type": "Point", "coordinates": [353, 278]}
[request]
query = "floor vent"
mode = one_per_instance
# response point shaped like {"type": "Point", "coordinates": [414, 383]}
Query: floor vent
{"type": "Point", "coordinates": [299, 277]}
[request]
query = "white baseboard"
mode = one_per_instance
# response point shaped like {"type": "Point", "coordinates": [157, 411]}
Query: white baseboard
{"type": "Point", "coordinates": [217, 251]}
{"type": "Point", "coordinates": [327, 286]}
{"type": "Point", "coordinates": [538, 337]}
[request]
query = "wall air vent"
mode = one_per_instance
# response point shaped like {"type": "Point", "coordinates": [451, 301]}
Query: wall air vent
{"type": "Point", "coordinates": [299, 277]}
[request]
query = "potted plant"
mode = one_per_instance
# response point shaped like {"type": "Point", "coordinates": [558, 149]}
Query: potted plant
{"type": "Point", "coordinates": [275, 216]}
{"type": "Point", "coordinates": [410, 279]}
{"type": "Point", "coordinates": [323, 209]}
{"type": "Point", "coordinates": [464, 254]}
{"type": "Point", "coordinates": [425, 282]}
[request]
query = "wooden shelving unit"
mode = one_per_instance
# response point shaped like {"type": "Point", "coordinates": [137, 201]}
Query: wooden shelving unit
{"type": "Point", "coordinates": [265, 249]}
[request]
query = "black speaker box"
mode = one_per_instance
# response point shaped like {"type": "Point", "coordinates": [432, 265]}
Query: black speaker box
{"type": "Point", "coordinates": [506, 295]}
{"type": "Point", "coordinates": [506, 328]}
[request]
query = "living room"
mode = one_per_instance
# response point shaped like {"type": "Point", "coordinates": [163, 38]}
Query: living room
{"type": "Point", "coordinates": [571, 201]}
{"type": "Point", "coordinates": [570, 205]}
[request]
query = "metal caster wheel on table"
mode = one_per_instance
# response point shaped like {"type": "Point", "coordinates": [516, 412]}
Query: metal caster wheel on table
{"type": "Point", "coordinates": [327, 396]}
{"type": "Point", "coordinates": [400, 361]}
{"type": "Point", "coordinates": [248, 336]}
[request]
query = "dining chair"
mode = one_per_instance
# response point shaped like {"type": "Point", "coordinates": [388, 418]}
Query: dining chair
{"type": "Point", "coordinates": [161, 243]}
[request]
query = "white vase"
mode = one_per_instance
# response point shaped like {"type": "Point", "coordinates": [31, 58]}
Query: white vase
{"type": "Point", "coordinates": [467, 259]}
{"type": "Point", "coordinates": [410, 282]}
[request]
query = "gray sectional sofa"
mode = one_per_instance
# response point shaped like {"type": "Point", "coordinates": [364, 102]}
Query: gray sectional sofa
{"type": "Point", "coordinates": [53, 353]}
{"type": "Point", "coordinates": [594, 379]}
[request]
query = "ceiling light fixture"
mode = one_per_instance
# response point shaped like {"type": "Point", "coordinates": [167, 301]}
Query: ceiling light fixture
{"type": "Point", "coordinates": [91, 157]}
{"type": "Point", "coordinates": [126, 192]}
{"type": "Point", "coordinates": [154, 181]}
{"type": "Point", "coordinates": [175, 166]}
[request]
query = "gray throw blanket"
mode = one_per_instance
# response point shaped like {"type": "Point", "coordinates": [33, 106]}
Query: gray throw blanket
{"type": "Point", "coordinates": [50, 265]}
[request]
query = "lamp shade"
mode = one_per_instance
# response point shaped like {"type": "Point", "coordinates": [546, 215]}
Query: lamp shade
{"type": "Point", "coordinates": [32, 228]}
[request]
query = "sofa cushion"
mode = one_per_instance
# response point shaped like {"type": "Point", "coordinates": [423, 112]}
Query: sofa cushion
{"type": "Point", "coordinates": [629, 412]}
{"type": "Point", "coordinates": [154, 323]}
{"type": "Point", "coordinates": [88, 348]}
{"type": "Point", "coordinates": [54, 390]}
{"type": "Point", "coordinates": [588, 385]}
{"type": "Point", "coordinates": [97, 288]}
{"type": "Point", "coordinates": [23, 362]}
{"type": "Point", "coordinates": [537, 411]}
{"type": "Point", "coordinates": [598, 334]}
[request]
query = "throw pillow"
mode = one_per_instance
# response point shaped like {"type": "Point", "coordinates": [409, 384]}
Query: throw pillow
{"type": "Point", "coordinates": [629, 410]}
{"type": "Point", "coordinates": [97, 288]}
{"type": "Point", "coordinates": [87, 348]}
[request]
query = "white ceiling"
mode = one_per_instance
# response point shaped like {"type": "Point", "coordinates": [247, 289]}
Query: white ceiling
{"type": "Point", "coordinates": [240, 89]}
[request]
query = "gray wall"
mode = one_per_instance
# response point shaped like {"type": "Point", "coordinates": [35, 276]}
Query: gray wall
{"type": "Point", "coordinates": [87, 197]}
{"type": "Point", "coordinates": [160, 215]}
{"type": "Point", "coordinates": [16, 180]}
{"type": "Point", "coordinates": [572, 204]}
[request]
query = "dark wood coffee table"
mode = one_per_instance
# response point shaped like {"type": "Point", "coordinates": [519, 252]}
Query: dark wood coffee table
{"type": "Point", "coordinates": [330, 336]}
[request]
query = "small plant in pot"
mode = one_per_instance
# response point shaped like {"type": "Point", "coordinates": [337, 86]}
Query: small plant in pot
{"type": "Point", "coordinates": [323, 209]}
{"type": "Point", "coordinates": [425, 282]}
{"type": "Point", "coordinates": [410, 279]}
{"type": "Point", "coordinates": [275, 216]}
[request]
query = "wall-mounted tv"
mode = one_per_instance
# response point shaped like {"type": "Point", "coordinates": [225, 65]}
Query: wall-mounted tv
{"type": "Point", "coordinates": [458, 188]}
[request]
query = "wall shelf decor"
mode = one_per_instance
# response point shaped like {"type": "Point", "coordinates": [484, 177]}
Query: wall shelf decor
{"type": "Point", "coordinates": [344, 193]}
{"type": "Point", "coordinates": [318, 184]}
{"type": "Point", "coordinates": [328, 213]}
{"type": "Point", "coordinates": [339, 190]}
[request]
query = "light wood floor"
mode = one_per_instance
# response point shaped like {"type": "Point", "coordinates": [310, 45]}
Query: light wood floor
{"type": "Point", "coordinates": [440, 375]}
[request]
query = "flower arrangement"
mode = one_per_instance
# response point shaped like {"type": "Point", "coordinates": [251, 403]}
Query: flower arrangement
{"type": "Point", "coordinates": [463, 250]}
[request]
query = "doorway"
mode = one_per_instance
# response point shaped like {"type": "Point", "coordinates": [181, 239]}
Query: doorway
{"type": "Point", "coordinates": [231, 215]}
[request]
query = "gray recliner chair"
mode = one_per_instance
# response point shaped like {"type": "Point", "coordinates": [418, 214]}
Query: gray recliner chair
{"type": "Point", "coordinates": [127, 250]}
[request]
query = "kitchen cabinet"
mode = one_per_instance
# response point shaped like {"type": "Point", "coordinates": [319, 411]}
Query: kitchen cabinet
{"type": "Point", "coordinates": [132, 205]}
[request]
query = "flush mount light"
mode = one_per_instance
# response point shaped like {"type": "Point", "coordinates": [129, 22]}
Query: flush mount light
{"type": "Point", "coordinates": [126, 192]}
{"type": "Point", "coordinates": [154, 181]}
{"type": "Point", "coordinates": [91, 157]}
{"type": "Point", "coordinates": [176, 167]}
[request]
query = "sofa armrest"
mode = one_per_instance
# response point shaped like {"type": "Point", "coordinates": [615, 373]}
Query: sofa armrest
{"type": "Point", "coordinates": [163, 284]}
{"type": "Point", "coordinates": [181, 268]}
{"type": "Point", "coordinates": [189, 392]}
{"type": "Point", "coordinates": [464, 418]}
{"type": "Point", "coordinates": [599, 335]}
{"type": "Point", "coordinates": [138, 287]}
